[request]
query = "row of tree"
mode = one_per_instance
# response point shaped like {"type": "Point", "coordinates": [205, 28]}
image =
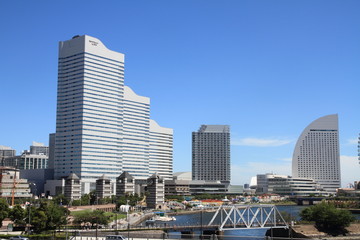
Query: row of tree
{"type": "Point", "coordinates": [46, 215]}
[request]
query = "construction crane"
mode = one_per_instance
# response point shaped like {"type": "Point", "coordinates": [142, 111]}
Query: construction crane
{"type": "Point", "coordinates": [13, 190]}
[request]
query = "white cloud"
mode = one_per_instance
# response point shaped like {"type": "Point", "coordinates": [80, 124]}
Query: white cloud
{"type": "Point", "coordinates": [286, 159]}
{"type": "Point", "coordinates": [349, 169]}
{"type": "Point", "coordinates": [353, 141]}
{"type": "Point", "coordinates": [241, 174]}
{"type": "Point", "coordinates": [260, 142]}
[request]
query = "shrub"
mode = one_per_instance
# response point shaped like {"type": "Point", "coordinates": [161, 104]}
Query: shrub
{"type": "Point", "coordinates": [327, 217]}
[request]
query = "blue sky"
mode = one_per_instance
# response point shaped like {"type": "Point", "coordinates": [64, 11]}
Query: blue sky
{"type": "Point", "coordinates": [266, 68]}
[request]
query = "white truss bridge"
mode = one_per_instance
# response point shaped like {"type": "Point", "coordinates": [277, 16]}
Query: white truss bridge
{"type": "Point", "coordinates": [230, 217]}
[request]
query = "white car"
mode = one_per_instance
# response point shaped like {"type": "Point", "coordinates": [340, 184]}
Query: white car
{"type": "Point", "coordinates": [116, 237]}
{"type": "Point", "coordinates": [19, 238]}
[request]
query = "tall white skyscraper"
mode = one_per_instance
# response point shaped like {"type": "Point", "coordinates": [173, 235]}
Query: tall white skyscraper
{"type": "Point", "coordinates": [316, 155]}
{"type": "Point", "coordinates": [102, 126]}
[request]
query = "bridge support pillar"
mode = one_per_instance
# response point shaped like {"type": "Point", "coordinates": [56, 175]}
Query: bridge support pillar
{"type": "Point", "coordinates": [187, 234]}
{"type": "Point", "coordinates": [219, 233]}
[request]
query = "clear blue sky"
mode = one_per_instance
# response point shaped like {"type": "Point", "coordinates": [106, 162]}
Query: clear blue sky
{"type": "Point", "coordinates": [266, 68]}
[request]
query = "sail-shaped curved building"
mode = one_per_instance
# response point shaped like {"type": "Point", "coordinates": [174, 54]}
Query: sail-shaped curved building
{"type": "Point", "coordinates": [316, 155]}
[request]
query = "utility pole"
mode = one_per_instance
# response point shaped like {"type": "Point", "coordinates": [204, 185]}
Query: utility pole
{"type": "Point", "coordinates": [127, 216]}
{"type": "Point", "coordinates": [29, 218]}
{"type": "Point", "coordinates": [201, 220]}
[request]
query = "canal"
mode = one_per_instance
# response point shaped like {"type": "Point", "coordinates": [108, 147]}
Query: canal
{"type": "Point", "coordinates": [205, 217]}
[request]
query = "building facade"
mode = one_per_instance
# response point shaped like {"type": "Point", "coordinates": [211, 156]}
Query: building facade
{"type": "Point", "coordinates": [72, 188]}
{"type": "Point", "coordinates": [156, 191]}
{"type": "Point", "coordinates": [51, 150]}
{"type": "Point", "coordinates": [102, 126]}
{"type": "Point", "coordinates": [12, 185]}
{"type": "Point", "coordinates": [39, 149]}
{"type": "Point", "coordinates": [125, 185]}
{"type": "Point", "coordinates": [103, 187]}
{"type": "Point", "coordinates": [211, 153]}
{"type": "Point", "coordinates": [6, 152]}
{"type": "Point", "coordinates": [283, 185]}
{"type": "Point", "coordinates": [27, 161]}
{"type": "Point", "coordinates": [316, 155]}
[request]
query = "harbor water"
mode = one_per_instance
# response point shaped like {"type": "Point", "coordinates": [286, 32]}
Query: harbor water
{"type": "Point", "coordinates": [203, 218]}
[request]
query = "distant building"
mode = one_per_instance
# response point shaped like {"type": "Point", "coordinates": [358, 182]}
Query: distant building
{"type": "Point", "coordinates": [161, 150]}
{"type": "Point", "coordinates": [51, 150]}
{"type": "Point", "coordinates": [179, 185]}
{"type": "Point", "coordinates": [211, 153]}
{"type": "Point", "coordinates": [103, 187]}
{"type": "Point", "coordinates": [11, 184]}
{"type": "Point", "coordinates": [156, 193]}
{"type": "Point", "coordinates": [316, 154]}
{"type": "Point", "coordinates": [287, 186]}
{"type": "Point", "coordinates": [210, 187]}
{"type": "Point", "coordinates": [6, 152]}
{"type": "Point", "coordinates": [235, 189]}
{"type": "Point", "coordinates": [27, 161]}
{"type": "Point", "coordinates": [39, 149]}
{"type": "Point", "coordinates": [125, 184]}
{"type": "Point", "coordinates": [72, 187]}
{"type": "Point", "coordinates": [37, 178]}
{"type": "Point", "coordinates": [262, 183]}
{"type": "Point", "coordinates": [352, 191]}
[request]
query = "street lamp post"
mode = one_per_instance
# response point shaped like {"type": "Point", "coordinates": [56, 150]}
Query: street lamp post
{"type": "Point", "coordinates": [127, 217]}
{"type": "Point", "coordinates": [201, 220]}
{"type": "Point", "coordinates": [97, 224]}
{"type": "Point", "coordinates": [116, 223]}
{"type": "Point", "coordinates": [29, 218]}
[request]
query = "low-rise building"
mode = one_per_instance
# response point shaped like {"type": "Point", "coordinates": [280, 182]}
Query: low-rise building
{"type": "Point", "coordinates": [72, 187]}
{"type": "Point", "coordinates": [12, 185]}
{"type": "Point", "coordinates": [103, 187]}
{"type": "Point", "coordinates": [289, 186]}
{"type": "Point", "coordinates": [155, 189]}
{"type": "Point", "coordinates": [210, 187]}
{"type": "Point", "coordinates": [283, 185]}
{"type": "Point", "coordinates": [125, 184]}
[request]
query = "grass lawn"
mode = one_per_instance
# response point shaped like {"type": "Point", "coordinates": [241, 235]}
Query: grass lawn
{"type": "Point", "coordinates": [109, 214]}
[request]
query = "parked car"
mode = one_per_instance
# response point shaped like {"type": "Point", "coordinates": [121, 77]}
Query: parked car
{"type": "Point", "coordinates": [115, 237]}
{"type": "Point", "coordinates": [19, 238]}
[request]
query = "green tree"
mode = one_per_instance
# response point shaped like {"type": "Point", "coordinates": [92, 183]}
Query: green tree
{"type": "Point", "coordinates": [327, 217]}
{"type": "Point", "coordinates": [38, 219]}
{"type": "Point", "coordinates": [60, 200]}
{"type": "Point", "coordinates": [56, 215]}
{"type": "Point", "coordinates": [96, 217]}
{"type": "Point", "coordinates": [85, 199]}
{"type": "Point", "coordinates": [4, 210]}
{"type": "Point", "coordinates": [17, 214]}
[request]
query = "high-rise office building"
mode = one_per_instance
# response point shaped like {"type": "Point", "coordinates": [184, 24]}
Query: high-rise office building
{"type": "Point", "coordinates": [316, 155]}
{"type": "Point", "coordinates": [51, 150]}
{"type": "Point", "coordinates": [6, 152]}
{"type": "Point", "coordinates": [211, 153]}
{"type": "Point", "coordinates": [102, 126]}
{"type": "Point", "coordinates": [39, 149]}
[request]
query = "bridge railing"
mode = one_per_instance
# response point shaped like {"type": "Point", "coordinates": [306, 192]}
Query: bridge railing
{"type": "Point", "coordinates": [248, 216]}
